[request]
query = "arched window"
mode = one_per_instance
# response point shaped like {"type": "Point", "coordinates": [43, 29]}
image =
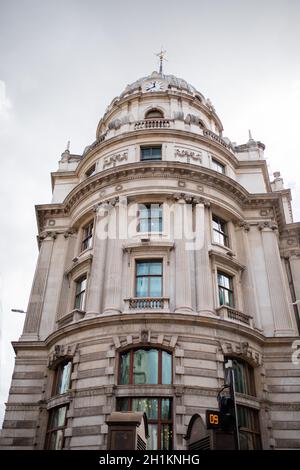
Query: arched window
{"type": "Point", "coordinates": [243, 376]}
{"type": "Point", "coordinates": [154, 114]}
{"type": "Point", "coordinates": [145, 366]}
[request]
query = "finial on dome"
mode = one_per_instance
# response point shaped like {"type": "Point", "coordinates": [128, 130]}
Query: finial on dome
{"type": "Point", "coordinates": [161, 56]}
{"type": "Point", "coordinates": [65, 155]}
{"type": "Point", "coordinates": [250, 135]}
{"type": "Point", "coordinates": [68, 146]}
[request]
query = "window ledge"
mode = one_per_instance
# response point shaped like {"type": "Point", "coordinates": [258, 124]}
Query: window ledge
{"type": "Point", "coordinates": [227, 259]}
{"type": "Point", "coordinates": [225, 248]}
{"type": "Point", "coordinates": [84, 257]}
{"type": "Point", "coordinates": [155, 244]}
{"type": "Point", "coordinates": [71, 317]}
{"type": "Point", "coordinates": [59, 400]}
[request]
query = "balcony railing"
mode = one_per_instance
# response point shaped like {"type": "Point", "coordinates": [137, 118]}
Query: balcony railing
{"type": "Point", "coordinates": [147, 303]}
{"type": "Point", "coordinates": [230, 313]}
{"type": "Point", "coordinates": [216, 138]}
{"type": "Point", "coordinates": [152, 124]}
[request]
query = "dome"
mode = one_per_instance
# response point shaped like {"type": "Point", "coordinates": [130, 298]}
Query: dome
{"type": "Point", "coordinates": [170, 80]}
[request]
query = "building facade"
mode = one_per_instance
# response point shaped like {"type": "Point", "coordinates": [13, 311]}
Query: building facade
{"type": "Point", "coordinates": [166, 251]}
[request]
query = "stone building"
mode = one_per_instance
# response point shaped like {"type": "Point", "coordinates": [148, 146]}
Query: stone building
{"type": "Point", "coordinates": [165, 252]}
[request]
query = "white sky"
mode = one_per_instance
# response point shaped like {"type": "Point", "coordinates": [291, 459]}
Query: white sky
{"type": "Point", "coordinates": [62, 62]}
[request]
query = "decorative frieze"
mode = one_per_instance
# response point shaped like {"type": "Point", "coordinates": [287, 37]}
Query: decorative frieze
{"type": "Point", "coordinates": [188, 155]}
{"type": "Point", "coordinates": [243, 349]}
{"type": "Point", "coordinates": [60, 351]}
{"type": "Point", "coordinates": [112, 160]}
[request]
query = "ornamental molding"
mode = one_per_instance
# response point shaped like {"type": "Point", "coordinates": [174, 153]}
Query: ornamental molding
{"type": "Point", "coordinates": [243, 350]}
{"type": "Point", "coordinates": [163, 170]}
{"type": "Point", "coordinates": [60, 352]}
{"type": "Point", "coordinates": [267, 225]}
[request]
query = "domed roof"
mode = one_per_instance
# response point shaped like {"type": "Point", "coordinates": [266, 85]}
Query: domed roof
{"type": "Point", "coordinates": [171, 80]}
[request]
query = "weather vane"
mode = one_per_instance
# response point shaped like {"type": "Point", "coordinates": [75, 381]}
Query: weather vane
{"type": "Point", "coordinates": [161, 56]}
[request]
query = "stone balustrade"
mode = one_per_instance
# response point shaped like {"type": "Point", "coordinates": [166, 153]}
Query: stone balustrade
{"type": "Point", "coordinates": [229, 313]}
{"type": "Point", "coordinates": [147, 303]}
{"type": "Point", "coordinates": [152, 124]}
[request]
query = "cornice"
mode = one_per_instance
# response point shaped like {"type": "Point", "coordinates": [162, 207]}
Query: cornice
{"type": "Point", "coordinates": [161, 169]}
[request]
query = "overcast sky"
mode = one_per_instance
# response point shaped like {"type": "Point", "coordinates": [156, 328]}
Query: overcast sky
{"type": "Point", "coordinates": [63, 61]}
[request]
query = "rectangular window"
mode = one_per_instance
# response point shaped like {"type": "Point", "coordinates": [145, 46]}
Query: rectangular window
{"type": "Point", "coordinates": [87, 239]}
{"type": "Point", "coordinates": [217, 166]}
{"type": "Point", "coordinates": [62, 378]}
{"type": "Point", "coordinates": [248, 422]}
{"type": "Point", "coordinates": [150, 218]}
{"type": "Point", "coordinates": [225, 288]}
{"type": "Point", "coordinates": [148, 278]}
{"type": "Point", "coordinates": [243, 376]}
{"type": "Point", "coordinates": [151, 153]}
{"type": "Point", "coordinates": [220, 231]}
{"type": "Point", "coordinates": [80, 293]}
{"type": "Point", "coordinates": [159, 416]}
{"type": "Point", "coordinates": [56, 427]}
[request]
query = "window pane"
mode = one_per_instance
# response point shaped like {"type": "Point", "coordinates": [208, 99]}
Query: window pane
{"type": "Point", "coordinates": [224, 280]}
{"type": "Point", "coordinates": [166, 436]}
{"type": "Point", "coordinates": [145, 366]}
{"type": "Point", "coordinates": [152, 441]}
{"type": "Point", "coordinates": [142, 268]}
{"type": "Point", "coordinates": [143, 225]}
{"type": "Point", "coordinates": [166, 375]}
{"type": "Point", "coordinates": [56, 440]}
{"type": "Point", "coordinates": [155, 287]}
{"type": "Point", "coordinates": [125, 368]}
{"type": "Point", "coordinates": [64, 379]}
{"type": "Point", "coordinates": [142, 287]}
{"type": "Point", "coordinates": [155, 267]}
{"type": "Point", "coordinates": [166, 408]}
{"type": "Point", "coordinates": [147, 405]}
{"type": "Point", "coordinates": [58, 417]}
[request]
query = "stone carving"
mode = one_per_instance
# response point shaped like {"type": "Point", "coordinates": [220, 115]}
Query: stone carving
{"type": "Point", "coordinates": [242, 349]}
{"type": "Point", "coordinates": [145, 336]}
{"type": "Point", "coordinates": [189, 199]}
{"type": "Point", "coordinates": [243, 224]}
{"type": "Point", "coordinates": [69, 232]}
{"type": "Point", "coordinates": [61, 351]}
{"type": "Point", "coordinates": [267, 224]}
{"type": "Point", "coordinates": [113, 159]}
{"type": "Point", "coordinates": [188, 154]}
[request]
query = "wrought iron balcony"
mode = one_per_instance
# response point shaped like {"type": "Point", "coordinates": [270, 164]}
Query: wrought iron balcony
{"type": "Point", "coordinates": [230, 313]}
{"type": "Point", "coordinates": [147, 303]}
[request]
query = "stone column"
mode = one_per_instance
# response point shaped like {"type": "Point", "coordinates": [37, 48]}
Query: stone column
{"type": "Point", "coordinates": [248, 276]}
{"type": "Point", "coordinates": [36, 300]}
{"type": "Point", "coordinates": [114, 261]}
{"type": "Point", "coordinates": [183, 257]}
{"type": "Point", "coordinates": [295, 269]}
{"type": "Point", "coordinates": [97, 273]}
{"type": "Point", "coordinates": [284, 325]}
{"type": "Point", "coordinates": [204, 286]}
{"type": "Point", "coordinates": [71, 238]}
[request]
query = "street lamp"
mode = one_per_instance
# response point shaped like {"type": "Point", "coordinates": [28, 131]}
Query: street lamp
{"type": "Point", "coordinates": [17, 310]}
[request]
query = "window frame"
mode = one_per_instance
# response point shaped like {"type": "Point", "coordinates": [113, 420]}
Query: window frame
{"type": "Point", "coordinates": [231, 289]}
{"type": "Point", "coordinates": [220, 221]}
{"type": "Point", "coordinates": [51, 430]}
{"type": "Point", "coordinates": [254, 431]}
{"type": "Point", "coordinates": [148, 206]}
{"type": "Point", "coordinates": [81, 293]}
{"type": "Point", "coordinates": [87, 235]}
{"type": "Point", "coordinates": [148, 147]}
{"type": "Point", "coordinates": [131, 365]}
{"type": "Point", "coordinates": [216, 165]}
{"type": "Point", "coordinates": [149, 260]}
{"type": "Point", "coordinates": [58, 374]}
{"type": "Point", "coordinates": [159, 421]}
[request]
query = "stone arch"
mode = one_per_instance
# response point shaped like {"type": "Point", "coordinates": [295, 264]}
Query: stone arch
{"type": "Point", "coordinates": [154, 113]}
{"type": "Point", "coordinates": [197, 436]}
